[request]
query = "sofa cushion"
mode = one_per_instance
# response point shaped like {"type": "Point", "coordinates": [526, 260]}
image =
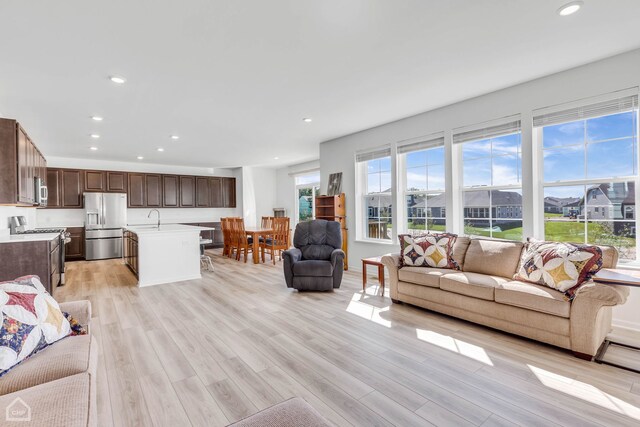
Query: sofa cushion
{"type": "Point", "coordinates": [560, 266]}
{"type": "Point", "coordinates": [31, 320]}
{"type": "Point", "coordinates": [460, 249]}
{"type": "Point", "coordinates": [72, 355]}
{"type": "Point", "coordinates": [66, 402]}
{"type": "Point", "coordinates": [533, 297]}
{"type": "Point", "coordinates": [428, 250]}
{"type": "Point", "coordinates": [313, 268]}
{"type": "Point", "coordinates": [422, 275]}
{"type": "Point", "coordinates": [471, 284]}
{"type": "Point", "coordinates": [493, 257]}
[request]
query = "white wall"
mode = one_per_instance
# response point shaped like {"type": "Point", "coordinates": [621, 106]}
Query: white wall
{"type": "Point", "coordinates": [8, 211]}
{"type": "Point", "coordinates": [286, 196]}
{"type": "Point", "coordinates": [258, 194]}
{"type": "Point", "coordinates": [609, 75]}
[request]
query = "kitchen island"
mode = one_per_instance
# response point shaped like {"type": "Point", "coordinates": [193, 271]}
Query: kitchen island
{"type": "Point", "coordinates": [165, 254]}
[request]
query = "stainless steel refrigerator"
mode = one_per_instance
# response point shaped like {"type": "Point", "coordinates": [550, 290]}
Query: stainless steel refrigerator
{"type": "Point", "coordinates": [105, 216]}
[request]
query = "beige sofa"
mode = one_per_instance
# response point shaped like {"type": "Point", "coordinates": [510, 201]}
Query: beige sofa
{"type": "Point", "coordinates": [485, 293]}
{"type": "Point", "coordinates": [57, 386]}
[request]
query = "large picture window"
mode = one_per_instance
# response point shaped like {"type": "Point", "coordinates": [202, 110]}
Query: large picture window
{"type": "Point", "coordinates": [492, 180]}
{"type": "Point", "coordinates": [590, 158]}
{"type": "Point", "coordinates": [375, 188]}
{"type": "Point", "coordinates": [424, 185]}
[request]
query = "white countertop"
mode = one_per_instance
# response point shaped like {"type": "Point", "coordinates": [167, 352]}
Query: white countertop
{"type": "Point", "coordinates": [13, 238]}
{"type": "Point", "coordinates": [166, 228]}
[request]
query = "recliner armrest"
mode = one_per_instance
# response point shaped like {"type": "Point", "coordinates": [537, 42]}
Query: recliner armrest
{"type": "Point", "coordinates": [337, 256]}
{"type": "Point", "coordinates": [294, 254]}
{"type": "Point", "coordinates": [290, 257]}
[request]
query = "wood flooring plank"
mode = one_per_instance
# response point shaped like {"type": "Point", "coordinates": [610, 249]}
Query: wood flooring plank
{"type": "Point", "coordinates": [174, 362]}
{"type": "Point", "coordinates": [141, 351]}
{"type": "Point", "coordinates": [393, 412]}
{"type": "Point", "coordinates": [164, 406]}
{"type": "Point", "coordinates": [235, 404]}
{"type": "Point", "coordinates": [439, 416]}
{"type": "Point", "coordinates": [200, 406]}
{"type": "Point", "coordinates": [127, 401]}
{"type": "Point", "coordinates": [496, 421]}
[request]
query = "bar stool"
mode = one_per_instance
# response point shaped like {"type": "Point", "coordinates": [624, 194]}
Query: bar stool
{"type": "Point", "coordinates": [205, 260]}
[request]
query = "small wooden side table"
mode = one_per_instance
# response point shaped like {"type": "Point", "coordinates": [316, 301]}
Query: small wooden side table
{"type": "Point", "coordinates": [620, 277]}
{"type": "Point", "coordinates": [377, 261]}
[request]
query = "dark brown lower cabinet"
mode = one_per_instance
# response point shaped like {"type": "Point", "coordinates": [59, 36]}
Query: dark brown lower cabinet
{"type": "Point", "coordinates": [215, 235]}
{"type": "Point", "coordinates": [74, 250]}
{"type": "Point", "coordinates": [41, 258]}
{"type": "Point", "coordinates": [131, 251]}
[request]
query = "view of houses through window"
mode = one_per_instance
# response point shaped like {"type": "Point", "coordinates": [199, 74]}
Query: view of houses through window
{"type": "Point", "coordinates": [590, 174]}
{"type": "Point", "coordinates": [424, 189]}
{"type": "Point", "coordinates": [378, 199]}
{"type": "Point", "coordinates": [492, 180]}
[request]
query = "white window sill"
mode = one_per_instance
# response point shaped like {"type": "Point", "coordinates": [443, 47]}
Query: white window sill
{"type": "Point", "coordinates": [376, 241]}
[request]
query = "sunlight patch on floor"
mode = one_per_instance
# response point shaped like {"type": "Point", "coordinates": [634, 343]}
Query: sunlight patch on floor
{"type": "Point", "coordinates": [366, 311]}
{"type": "Point", "coordinates": [585, 391]}
{"type": "Point", "coordinates": [457, 346]}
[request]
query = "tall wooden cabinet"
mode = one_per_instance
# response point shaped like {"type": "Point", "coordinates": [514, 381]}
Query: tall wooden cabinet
{"type": "Point", "coordinates": [333, 208]}
{"type": "Point", "coordinates": [20, 164]}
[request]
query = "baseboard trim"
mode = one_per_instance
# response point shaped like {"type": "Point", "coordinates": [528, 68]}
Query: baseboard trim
{"type": "Point", "coordinates": [626, 325]}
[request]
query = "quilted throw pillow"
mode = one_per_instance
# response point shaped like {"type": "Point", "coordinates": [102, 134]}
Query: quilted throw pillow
{"type": "Point", "coordinates": [560, 266]}
{"type": "Point", "coordinates": [428, 250]}
{"type": "Point", "coordinates": [31, 320]}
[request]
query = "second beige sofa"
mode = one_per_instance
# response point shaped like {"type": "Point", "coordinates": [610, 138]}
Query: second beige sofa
{"type": "Point", "coordinates": [484, 292]}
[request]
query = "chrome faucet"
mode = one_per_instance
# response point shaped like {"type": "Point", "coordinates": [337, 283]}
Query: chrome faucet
{"type": "Point", "coordinates": [158, 212]}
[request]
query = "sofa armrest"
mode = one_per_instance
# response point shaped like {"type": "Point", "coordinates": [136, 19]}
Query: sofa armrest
{"type": "Point", "coordinates": [392, 262]}
{"type": "Point", "coordinates": [607, 294]}
{"type": "Point", "coordinates": [79, 310]}
{"type": "Point", "coordinates": [290, 257]}
{"type": "Point", "coordinates": [591, 315]}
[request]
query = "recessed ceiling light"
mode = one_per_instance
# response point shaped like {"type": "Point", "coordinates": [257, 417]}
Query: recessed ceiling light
{"type": "Point", "coordinates": [570, 8]}
{"type": "Point", "coordinates": [276, 158]}
{"type": "Point", "coordinates": [161, 149]}
{"type": "Point", "coordinates": [117, 79]}
{"type": "Point", "coordinates": [97, 118]}
{"type": "Point", "coordinates": [93, 148]}
{"type": "Point", "coordinates": [175, 137]}
{"type": "Point", "coordinates": [307, 120]}
{"type": "Point", "coordinates": [140, 157]}
{"type": "Point", "coordinates": [95, 136]}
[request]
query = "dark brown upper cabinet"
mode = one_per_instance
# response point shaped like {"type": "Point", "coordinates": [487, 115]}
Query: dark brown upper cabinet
{"type": "Point", "coordinates": [54, 177]}
{"type": "Point", "coordinates": [229, 192]}
{"type": "Point", "coordinates": [71, 188]}
{"type": "Point", "coordinates": [171, 188]}
{"type": "Point", "coordinates": [187, 191]}
{"type": "Point", "coordinates": [95, 181]}
{"type": "Point", "coordinates": [136, 197]}
{"type": "Point", "coordinates": [153, 184]}
{"type": "Point", "coordinates": [202, 192]}
{"type": "Point", "coordinates": [216, 198]}
{"type": "Point", "coordinates": [117, 182]}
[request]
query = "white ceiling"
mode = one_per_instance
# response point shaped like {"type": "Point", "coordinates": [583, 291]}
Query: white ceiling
{"type": "Point", "coordinates": [235, 78]}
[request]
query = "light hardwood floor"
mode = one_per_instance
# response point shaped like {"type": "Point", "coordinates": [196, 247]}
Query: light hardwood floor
{"type": "Point", "coordinates": [211, 351]}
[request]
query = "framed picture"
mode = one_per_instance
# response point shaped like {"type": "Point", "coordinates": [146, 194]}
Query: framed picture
{"type": "Point", "coordinates": [335, 184]}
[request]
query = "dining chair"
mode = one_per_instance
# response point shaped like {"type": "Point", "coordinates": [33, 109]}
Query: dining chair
{"type": "Point", "coordinates": [266, 222]}
{"type": "Point", "coordinates": [278, 240]}
{"type": "Point", "coordinates": [243, 242]}
{"type": "Point", "coordinates": [226, 236]}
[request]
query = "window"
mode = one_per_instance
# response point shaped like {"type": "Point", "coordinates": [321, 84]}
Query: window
{"type": "Point", "coordinates": [492, 180]}
{"type": "Point", "coordinates": [590, 157]}
{"type": "Point", "coordinates": [423, 183]}
{"type": "Point", "coordinates": [307, 188]}
{"type": "Point", "coordinates": [374, 185]}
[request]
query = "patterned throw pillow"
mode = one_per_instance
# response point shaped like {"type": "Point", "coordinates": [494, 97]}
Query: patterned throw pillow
{"type": "Point", "coordinates": [31, 320]}
{"type": "Point", "coordinates": [560, 266]}
{"type": "Point", "coordinates": [76, 327]}
{"type": "Point", "coordinates": [428, 250]}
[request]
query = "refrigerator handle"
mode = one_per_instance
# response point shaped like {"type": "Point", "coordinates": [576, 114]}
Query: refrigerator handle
{"type": "Point", "coordinates": [103, 212]}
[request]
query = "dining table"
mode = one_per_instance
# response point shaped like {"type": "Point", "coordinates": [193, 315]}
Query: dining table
{"type": "Point", "coordinates": [255, 233]}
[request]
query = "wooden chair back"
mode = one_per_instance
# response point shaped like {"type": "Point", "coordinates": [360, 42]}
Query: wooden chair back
{"type": "Point", "coordinates": [267, 222]}
{"type": "Point", "coordinates": [281, 232]}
